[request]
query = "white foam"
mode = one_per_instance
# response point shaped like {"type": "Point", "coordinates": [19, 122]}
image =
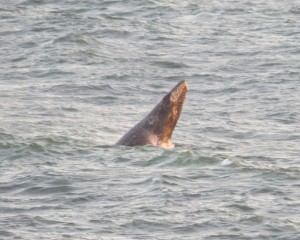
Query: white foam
{"type": "Point", "coordinates": [226, 162]}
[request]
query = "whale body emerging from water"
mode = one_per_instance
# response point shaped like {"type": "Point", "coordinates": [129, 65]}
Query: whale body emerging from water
{"type": "Point", "coordinates": [157, 127]}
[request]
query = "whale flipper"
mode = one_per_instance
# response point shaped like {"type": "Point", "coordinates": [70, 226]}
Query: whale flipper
{"type": "Point", "coordinates": [157, 127]}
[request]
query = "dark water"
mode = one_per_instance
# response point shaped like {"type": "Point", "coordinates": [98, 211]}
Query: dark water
{"type": "Point", "coordinates": [76, 75]}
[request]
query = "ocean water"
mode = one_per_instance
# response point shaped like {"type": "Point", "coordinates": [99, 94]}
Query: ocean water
{"type": "Point", "coordinates": [76, 75]}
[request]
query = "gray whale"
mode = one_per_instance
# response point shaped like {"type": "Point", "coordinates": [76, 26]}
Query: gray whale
{"type": "Point", "coordinates": [157, 127]}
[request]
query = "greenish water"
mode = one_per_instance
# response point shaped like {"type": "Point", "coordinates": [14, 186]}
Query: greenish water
{"type": "Point", "coordinates": [76, 75]}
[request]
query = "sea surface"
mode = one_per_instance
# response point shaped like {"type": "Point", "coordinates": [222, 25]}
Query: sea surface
{"type": "Point", "coordinates": [76, 75]}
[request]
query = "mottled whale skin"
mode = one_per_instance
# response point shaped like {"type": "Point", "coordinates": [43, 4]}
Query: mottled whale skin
{"type": "Point", "coordinates": [157, 127]}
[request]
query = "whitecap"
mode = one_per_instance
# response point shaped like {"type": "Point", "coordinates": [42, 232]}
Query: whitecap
{"type": "Point", "coordinates": [226, 162]}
